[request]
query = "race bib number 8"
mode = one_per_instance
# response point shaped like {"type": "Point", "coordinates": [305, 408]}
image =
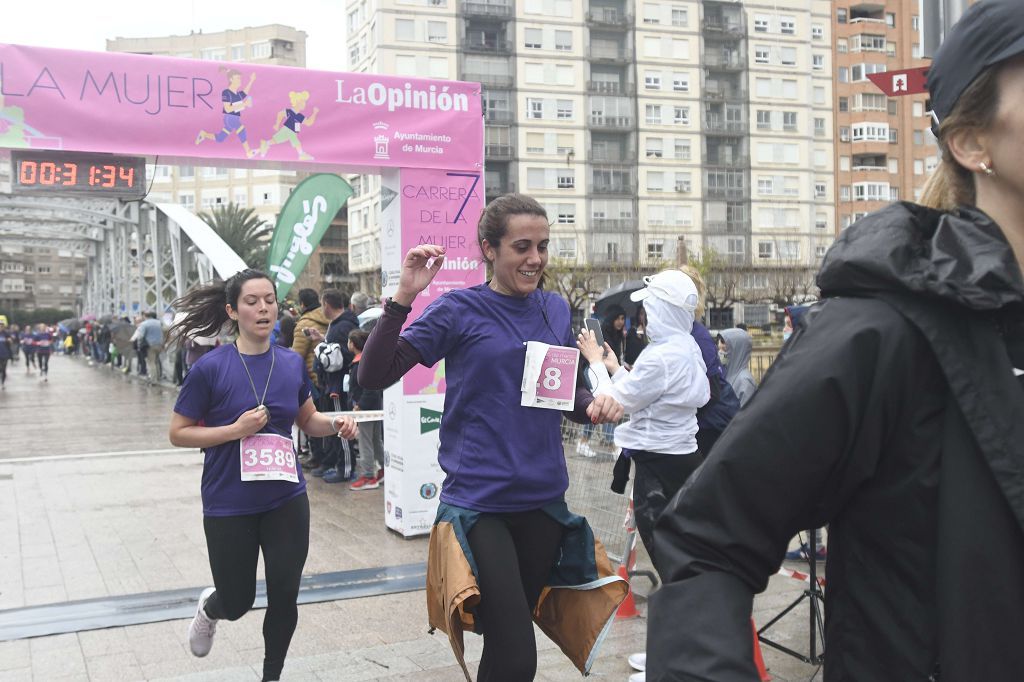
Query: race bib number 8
{"type": "Point", "coordinates": [267, 457]}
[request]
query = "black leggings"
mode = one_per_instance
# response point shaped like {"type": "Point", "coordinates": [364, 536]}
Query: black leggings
{"type": "Point", "coordinates": [3, 371]}
{"type": "Point", "coordinates": [234, 544]}
{"type": "Point", "coordinates": [658, 478]}
{"type": "Point", "coordinates": [44, 362]}
{"type": "Point", "coordinates": [514, 554]}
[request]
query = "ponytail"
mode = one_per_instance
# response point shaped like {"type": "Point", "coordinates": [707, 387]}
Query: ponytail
{"type": "Point", "coordinates": [938, 191]}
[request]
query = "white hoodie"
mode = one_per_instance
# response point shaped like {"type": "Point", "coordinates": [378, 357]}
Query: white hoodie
{"type": "Point", "coordinates": [666, 386]}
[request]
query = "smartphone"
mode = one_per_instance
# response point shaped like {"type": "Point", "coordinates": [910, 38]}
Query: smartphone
{"type": "Point", "coordinates": [307, 331]}
{"type": "Point", "coordinates": [593, 324]}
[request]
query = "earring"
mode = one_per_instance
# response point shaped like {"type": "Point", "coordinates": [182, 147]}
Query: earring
{"type": "Point", "coordinates": [986, 170]}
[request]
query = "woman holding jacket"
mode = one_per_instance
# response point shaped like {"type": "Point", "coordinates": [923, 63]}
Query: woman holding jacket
{"type": "Point", "coordinates": [895, 414]}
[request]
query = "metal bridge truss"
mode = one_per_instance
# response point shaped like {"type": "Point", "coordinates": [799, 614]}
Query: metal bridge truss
{"type": "Point", "coordinates": [141, 256]}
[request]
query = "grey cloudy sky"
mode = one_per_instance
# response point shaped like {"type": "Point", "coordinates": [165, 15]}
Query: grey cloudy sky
{"type": "Point", "coordinates": [84, 25]}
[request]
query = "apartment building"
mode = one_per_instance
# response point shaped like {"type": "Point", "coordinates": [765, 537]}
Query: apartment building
{"type": "Point", "coordinates": [40, 273]}
{"type": "Point", "coordinates": [203, 188]}
{"type": "Point", "coordinates": [643, 127]}
{"type": "Point", "coordinates": [884, 149]}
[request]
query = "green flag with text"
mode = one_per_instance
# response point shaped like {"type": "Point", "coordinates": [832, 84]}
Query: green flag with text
{"type": "Point", "coordinates": [301, 225]}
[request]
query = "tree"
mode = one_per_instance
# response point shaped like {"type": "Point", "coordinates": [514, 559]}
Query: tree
{"type": "Point", "coordinates": [242, 230]}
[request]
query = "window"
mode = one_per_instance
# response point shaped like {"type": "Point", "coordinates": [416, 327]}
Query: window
{"type": "Point", "coordinates": [841, 16]}
{"type": "Point", "coordinates": [820, 221]}
{"type": "Point", "coordinates": [866, 42]}
{"type": "Point", "coordinates": [652, 13]}
{"type": "Point", "coordinates": [819, 127]}
{"type": "Point", "coordinates": [652, 80]}
{"type": "Point", "coordinates": [437, 32]}
{"type": "Point", "coordinates": [764, 249]}
{"type": "Point", "coordinates": [682, 150]}
{"type": "Point", "coordinates": [680, 82]}
{"type": "Point", "coordinates": [842, 45]}
{"type": "Point", "coordinates": [760, 23]}
{"type": "Point", "coordinates": [565, 247]}
{"type": "Point", "coordinates": [844, 104]}
{"type": "Point", "coordinates": [567, 178]}
{"type": "Point", "coordinates": [789, 249]}
{"type": "Point", "coordinates": [787, 56]}
{"type": "Point", "coordinates": [532, 38]}
{"type": "Point", "coordinates": [564, 109]}
{"type": "Point", "coordinates": [819, 251]}
{"type": "Point", "coordinates": [652, 113]}
{"type": "Point", "coordinates": [818, 62]}
{"type": "Point", "coordinates": [535, 107]}
{"type": "Point", "coordinates": [789, 121]}
{"type": "Point", "coordinates": [653, 148]}
{"type": "Point", "coordinates": [187, 200]}
{"type": "Point", "coordinates": [818, 93]}
{"type": "Point", "coordinates": [217, 54]}
{"type": "Point", "coordinates": [766, 185]}
{"type": "Point", "coordinates": [871, 132]}
{"type": "Point", "coordinates": [612, 253]}
{"type": "Point", "coordinates": [237, 52]}
{"type": "Point", "coordinates": [683, 184]}
{"type": "Point", "coordinates": [565, 214]}
{"type": "Point", "coordinates": [655, 249]}
{"type": "Point", "coordinates": [762, 55]}
{"type": "Point", "coordinates": [893, 136]}
{"type": "Point", "coordinates": [915, 22]}
{"type": "Point", "coordinates": [681, 115]}
{"type": "Point", "coordinates": [764, 119]}
{"type": "Point", "coordinates": [844, 134]}
{"type": "Point", "coordinates": [890, 19]}
{"type": "Point", "coordinates": [405, 29]}
{"type": "Point", "coordinates": [186, 171]}
{"type": "Point", "coordinates": [918, 138]}
{"type": "Point", "coordinates": [534, 143]}
{"type": "Point", "coordinates": [892, 106]}
{"type": "Point", "coordinates": [819, 190]}
{"type": "Point", "coordinates": [563, 41]}
{"type": "Point", "coordinates": [679, 17]}
{"type": "Point", "coordinates": [871, 191]}
{"type": "Point", "coordinates": [894, 194]}
{"type": "Point", "coordinates": [787, 26]}
{"type": "Point", "coordinates": [817, 32]}
{"type": "Point", "coordinates": [655, 181]}
{"type": "Point", "coordinates": [860, 72]}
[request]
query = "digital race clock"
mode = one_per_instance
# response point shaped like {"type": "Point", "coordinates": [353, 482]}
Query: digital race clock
{"type": "Point", "coordinates": [58, 172]}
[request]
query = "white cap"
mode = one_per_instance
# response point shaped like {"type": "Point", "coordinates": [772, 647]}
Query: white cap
{"type": "Point", "coordinates": [671, 286]}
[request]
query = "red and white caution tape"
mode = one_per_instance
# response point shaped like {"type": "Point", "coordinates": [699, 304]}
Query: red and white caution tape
{"type": "Point", "coordinates": [797, 575]}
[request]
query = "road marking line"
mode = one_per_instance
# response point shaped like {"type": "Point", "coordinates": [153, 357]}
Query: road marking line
{"type": "Point", "coordinates": [92, 455]}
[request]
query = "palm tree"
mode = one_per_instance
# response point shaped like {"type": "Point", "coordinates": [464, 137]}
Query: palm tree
{"type": "Point", "coordinates": [242, 230]}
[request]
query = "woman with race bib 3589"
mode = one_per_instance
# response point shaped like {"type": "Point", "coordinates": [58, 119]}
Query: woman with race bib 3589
{"type": "Point", "coordinates": [238, 404]}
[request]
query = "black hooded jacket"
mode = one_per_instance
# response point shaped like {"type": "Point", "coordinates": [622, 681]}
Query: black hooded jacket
{"type": "Point", "coordinates": [895, 415]}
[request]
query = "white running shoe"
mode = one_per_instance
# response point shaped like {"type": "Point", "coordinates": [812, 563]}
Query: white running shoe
{"type": "Point", "coordinates": [638, 677]}
{"type": "Point", "coordinates": [202, 628]}
{"type": "Point", "coordinates": [638, 661]}
{"type": "Point", "coordinates": [585, 449]}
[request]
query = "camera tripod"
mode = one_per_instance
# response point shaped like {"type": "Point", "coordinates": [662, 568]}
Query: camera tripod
{"type": "Point", "coordinates": [816, 600]}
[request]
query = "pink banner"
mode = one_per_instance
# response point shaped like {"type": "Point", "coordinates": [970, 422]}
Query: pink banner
{"type": "Point", "coordinates": [242, 115]}
{"type": "Point", "coordinates": [441, 208]}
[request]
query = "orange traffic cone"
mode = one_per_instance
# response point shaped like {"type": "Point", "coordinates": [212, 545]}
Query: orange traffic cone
{"type": "Point", "coordinates": [627, 609]}
{"type": "Point", "coordinates": [762, 672]}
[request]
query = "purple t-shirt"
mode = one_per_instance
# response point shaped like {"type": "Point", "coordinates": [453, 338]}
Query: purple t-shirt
{"type": "Point", "coordinates": [497, 455]}
{"type": "Point", "coordinates": [217, 391]}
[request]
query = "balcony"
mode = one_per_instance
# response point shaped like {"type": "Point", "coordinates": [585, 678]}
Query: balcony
{"type": "Point", "coordinates": [715, 125]}
{"type": "Point", "coordinates": [487, 45]}
{"type": "Point", "coordinates": [501, 10]}
{"type": "Point", "coordinates": [727, 226]}
{"type": "Point", "coordinates": [610, 88]}
{"type": "Point", "coordinates": [609, 54]}
{"type": "Point", "coordinates": [614, 224]}
{"type": "Point", "coordinates": [721, 26]}
{"type": "Point", "coordinates": [496, 189]}
{"type": "Point", "coordinates": [498, 152]}
{"type": "Point", "coordinates": [609, 16]}
{"type": "Point", "coordinates": [726, 192]}
{"type": "Point", "coordinates": [717, 61]}
{"type": "Point", "coordinates": [720, 94]}
{"type": "Point", "coordinates": [611, 122]}
{"type": "Point", "coordinates": [605, 187]}
{"type": "Point", "coordinates": [613, 156]}
{"type": "Point", "coordinates": [727, 163]}
{"type": "Point", "coordinates": [879, 169]}
{"type": "Point", "coordinates": [494, 80]}
{"type": "Point", "coordinates": [499, 116]}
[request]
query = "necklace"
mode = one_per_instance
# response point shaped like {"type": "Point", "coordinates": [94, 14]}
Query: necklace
{"type": "Point", "coordinates": [273, 359]}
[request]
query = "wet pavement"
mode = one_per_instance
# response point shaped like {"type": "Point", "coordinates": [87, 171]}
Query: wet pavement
{"type": "Point", "coordinates": [94, 502]}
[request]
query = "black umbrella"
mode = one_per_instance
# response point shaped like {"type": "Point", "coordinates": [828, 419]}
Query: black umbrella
{"type": "Point", "coordinates": [618, 295]}
{"type": "Point", "coordinates": [71, 324]}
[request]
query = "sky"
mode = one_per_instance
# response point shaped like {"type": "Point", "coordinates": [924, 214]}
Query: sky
{"type": "Point", "coordinates": [83, 25]}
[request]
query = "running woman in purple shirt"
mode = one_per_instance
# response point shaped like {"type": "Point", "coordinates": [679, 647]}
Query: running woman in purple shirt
{"type": "Point", "coordinates": [238, 404]}
{"type": "Point", "coordinates": [504, 464]}
{"type": "Point", "coordinates": [234, 99]}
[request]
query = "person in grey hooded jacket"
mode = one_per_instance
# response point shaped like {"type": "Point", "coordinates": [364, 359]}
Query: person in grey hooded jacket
{"type": "Point", "coordinates": [736, 345]}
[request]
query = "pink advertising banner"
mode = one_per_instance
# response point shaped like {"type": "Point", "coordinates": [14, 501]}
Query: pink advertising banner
{"type": "Point", "coordinates": [442, 208]}
{"type": "Point", "coordinates": [235, 114]}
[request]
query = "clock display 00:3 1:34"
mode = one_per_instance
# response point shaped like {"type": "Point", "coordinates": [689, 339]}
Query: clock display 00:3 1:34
{"type": "Point", "coordinates": [75, 174]}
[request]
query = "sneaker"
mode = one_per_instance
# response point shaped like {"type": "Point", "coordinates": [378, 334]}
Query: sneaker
{"type": "Point", "coordinates": [638, 661]}
{"type": "Point", "coordinates": [334, 476]}
{"type": "Point", "coordinates": [380, 476]}
{"type": "Point", "coordinates": [638, 677]}
{"type": "Point", "coordinates": [585, 450]}
{"type": "Point", "coordinates": [324, 472]}
{"type": "Point", "coordinates": [365, 483]}
{"type": "Point", "coordinates": [202, 628]}
{"type": "Point", "coordinates": [802, 554]}
{"type": "Point", "coordinates": [309, 464]}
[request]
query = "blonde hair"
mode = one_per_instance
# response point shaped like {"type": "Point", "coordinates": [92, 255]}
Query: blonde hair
{"type": "Point", "coordinates": [298, 99]}
{"type": "Point", "coordinates": [702, 288]}
{"type": "Point", "coordinates": [950, 184]}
